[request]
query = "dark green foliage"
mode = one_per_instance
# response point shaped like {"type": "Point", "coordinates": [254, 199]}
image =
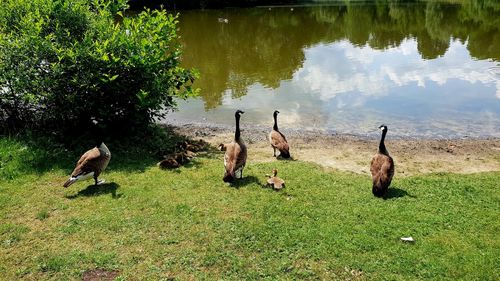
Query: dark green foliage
{"type": "Point", "coordinates": [31, 153]}
{"type": "Point", "coordinates": [68, 64]}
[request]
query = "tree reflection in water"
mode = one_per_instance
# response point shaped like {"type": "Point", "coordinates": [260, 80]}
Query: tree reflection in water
{"type": "Point", "coordinates": [267, 45]}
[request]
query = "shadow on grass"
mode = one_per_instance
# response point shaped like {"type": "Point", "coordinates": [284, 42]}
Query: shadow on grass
{"type": "Point", "coordinates": [291, 159]}
{"type": "Point", "coordinates": [246, 180]}
{"type": "Point", "coordinates": [39, 153]}
{"type": "Point", "coordinates": [97, 190]}
{"type": "Point", "coordinates": [395, 192]}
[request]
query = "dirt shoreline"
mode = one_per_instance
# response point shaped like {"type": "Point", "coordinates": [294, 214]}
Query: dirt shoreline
{"type": "Point", "coordinates": [354, 153]}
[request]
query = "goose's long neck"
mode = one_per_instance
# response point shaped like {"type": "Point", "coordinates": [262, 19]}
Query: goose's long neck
{"type": "Point", "coordinates": [275, 127]}
{"type": "Point", "coordinates": [381, 146]}
{"type": "Point", "coordinates": [237, 132]}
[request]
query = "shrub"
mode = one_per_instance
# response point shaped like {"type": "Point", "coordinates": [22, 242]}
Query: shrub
{"type": "Point", "coordinates": [65, 65]}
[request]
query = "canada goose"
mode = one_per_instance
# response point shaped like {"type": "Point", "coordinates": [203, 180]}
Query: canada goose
{"type": "Point", "coordinates": [168, 163]}
{"type": "Point", "coordinates": [278, 140]}
{"type": "Point", "coordinates": [183, 157]}
{"type": "Point", "coordinates": [175, 160]}
{"type": "Point", "coordinates": [91, 164]}
{"type": "Point", "coordinates": [275, 182]}
{"type": "Point", "coordinates": [382, 167]}
{"type": "Point", "coordinates": [235, 157]}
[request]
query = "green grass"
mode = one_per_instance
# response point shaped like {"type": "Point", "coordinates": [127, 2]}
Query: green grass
{"type": "Point", "coordinates": [151, 224]}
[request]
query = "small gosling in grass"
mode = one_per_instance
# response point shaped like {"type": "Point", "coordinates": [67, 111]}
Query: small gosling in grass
{"type": "Point", "coordinates": [274, 182]}
{"type": "Point", "coordinates": [169, 163]}
{"type": "Point", "coordinates": [175, 160]}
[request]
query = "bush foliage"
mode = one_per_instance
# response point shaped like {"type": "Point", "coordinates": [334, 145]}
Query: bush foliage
{"type": "Point", "coordinates": [65, 65]}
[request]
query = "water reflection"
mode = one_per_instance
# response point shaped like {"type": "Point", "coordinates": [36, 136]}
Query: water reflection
{"type": "Point", "coordinates": [426, 69]}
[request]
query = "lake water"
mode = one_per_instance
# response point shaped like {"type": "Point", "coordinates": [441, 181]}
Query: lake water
{"type": "Point", "coordinates": [425, 70]}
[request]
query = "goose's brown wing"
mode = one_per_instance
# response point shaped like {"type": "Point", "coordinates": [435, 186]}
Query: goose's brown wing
{"type": "Point", "coordinates": [278, 141]}
{"type": "Point", "coordinates": [89, 162]}
{"type": "Point", "coordinates": [388, 168]}
{"type": "Point", "coordinates": [230, 157]}
{"type": "Point", "coordinates": [277, 182]}
{"type": "Point", "coordinates": [375, 165]}
{"type": "Point", "coordinates": [235, 157]}
{"type": "Point", "coordinates": [242, 156]}
{"type": "Point", "coordinates": [382, 168]}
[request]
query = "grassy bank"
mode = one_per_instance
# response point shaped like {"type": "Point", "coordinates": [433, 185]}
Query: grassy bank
{"type": "Point", "coordinates": [150, 224]}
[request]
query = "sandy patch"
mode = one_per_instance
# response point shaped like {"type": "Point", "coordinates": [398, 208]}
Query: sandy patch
{"type": "Point", "coordinates": [354, 153]}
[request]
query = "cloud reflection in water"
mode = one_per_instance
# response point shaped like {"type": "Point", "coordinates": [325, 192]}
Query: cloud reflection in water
{"type": "Point", "coordinates": [350, 89]}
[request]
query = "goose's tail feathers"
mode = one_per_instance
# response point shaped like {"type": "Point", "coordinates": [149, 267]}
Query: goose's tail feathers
{"type": "Point", "coordinates": [70, 181]}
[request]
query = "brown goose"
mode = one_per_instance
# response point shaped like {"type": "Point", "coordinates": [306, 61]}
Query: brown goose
{"type": "Point", "coordinates": [168, 163]}
{"type": "Point", "coordinates": [278, 140]}
{"type": "Point", "coordinates": [91, 164]}
{"type": "Point", "coordinates": [382, 167]}
{"type": "Point", "coordinates": [175, 160]}
{"type": "Point", "coordinates": [235, 157]}
{"type": "Point", "coordinates": [275, 182]}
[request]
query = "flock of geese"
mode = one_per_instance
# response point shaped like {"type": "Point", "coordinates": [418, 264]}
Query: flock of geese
{"type": "Point", "coordinates": [93, 162]}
